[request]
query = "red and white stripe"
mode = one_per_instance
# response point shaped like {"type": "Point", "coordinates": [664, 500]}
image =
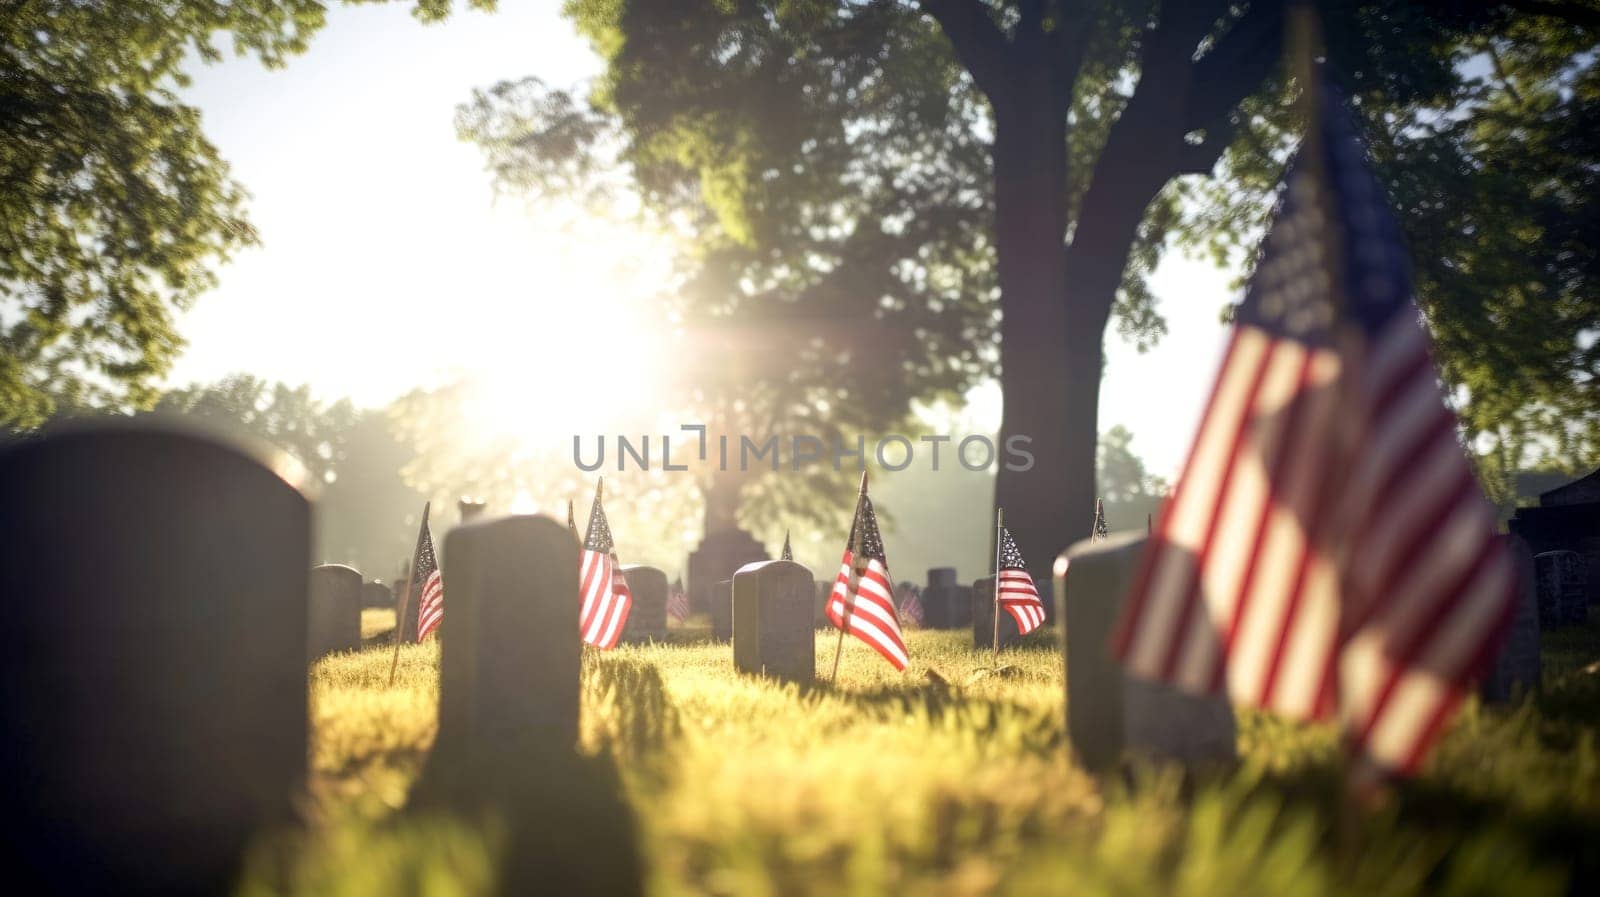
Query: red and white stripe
{"type": "Point", "coordinates": [606, 599]}
{"type": "Point", "coordinates": [430, 607]}
{"type": "Point", "coordinates": [678, 605]}
{"type": "Point", "coordinates": [1327, 551]}
{"type": "Point", "coordinates": [1021, 600]}
{"type": "Point", "coordinates": [871, 615]}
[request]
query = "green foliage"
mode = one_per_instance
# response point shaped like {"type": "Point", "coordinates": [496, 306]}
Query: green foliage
{"type": "Point", "coordinates": [114, 207]}
{"type": "Point", "coordinates": [367, 514]}
{"type": "Point", "coordinates": [891, 783]}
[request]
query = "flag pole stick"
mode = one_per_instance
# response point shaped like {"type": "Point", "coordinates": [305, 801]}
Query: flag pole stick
{"type": "Point", "coordinates": [855, 579]}
{"type": "Point", "coordinates": [999, 525]}
{"type": "Point", "coordinates": [405, 602]}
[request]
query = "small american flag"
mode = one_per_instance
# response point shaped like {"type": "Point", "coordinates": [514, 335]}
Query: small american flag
{"type": "Point", "coordinates": [677, 602]}
{"type": "Point", "coordinates": [1327, 553]}
{"type": "Point", "coordinates": [869, 614]}
{"type": "Point", "coordinates": [788, 553]}
{"type": "Point", "coordinates": [428, 585]}
{"type": "Point", "coordinates": [1100, 529]}
{"type": "Point", "coordinates": [606, 599]}
{"type": "Point", "coordinates": [911, 607]}
{"type": "Point", "coordinates": [1016, 591]}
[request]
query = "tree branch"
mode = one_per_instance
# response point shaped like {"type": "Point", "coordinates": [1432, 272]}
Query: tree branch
{"type": "Point", "coordinates": [1579, 14]}
{"type": "Point", "coordinates": [1238, 64]}
{"type": "Point", "coordinates": [978, 42]}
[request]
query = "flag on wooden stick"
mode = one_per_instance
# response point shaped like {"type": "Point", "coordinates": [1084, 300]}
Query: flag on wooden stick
{"type": "Point", "coordinates": [429, 586]}
{"type": "Point", "coordinates": [1327, 553]}
{"type": "Point", "coordinates": [604, 591]}
{"type": "Point", "coordinates": [572, 523]}
{"type": "Point", "coordinates": [677, 601]}
{"type": "Point", "coordinates": [867, 612]}
{"type": "Point", "coordinates": [1014, 587]}
{"type": "Point", "coordinates": [911, 610]}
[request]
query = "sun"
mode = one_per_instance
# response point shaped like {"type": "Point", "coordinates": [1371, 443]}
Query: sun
{"type": "Point", "coordinates": [586, 352]}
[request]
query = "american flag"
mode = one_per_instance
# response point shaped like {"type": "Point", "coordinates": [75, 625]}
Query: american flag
{"type": "Point", "coordinates": [1100, 529]}
{"type": "Point", "coordinates": [788, 553]}
{"type": "Point", "coordinates": [1327, 553]}
{"type": "Point", "coordinates": [1016, 591]}
{"type": "Point", "coordinates": [677, 602]}
{"type": "Point", "coordinates": [911, 606]}
{"type": "Point", "coordinates": [606, 599]}
{"type": "Point", "coordinates": [428, 585]}
{"type": "Point", "coordinates": [869, 615]}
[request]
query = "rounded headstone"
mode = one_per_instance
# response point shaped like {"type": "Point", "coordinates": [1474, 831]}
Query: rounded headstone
{"type": "Point", "coordinates": [1108, 711]}
{"type": "Point", "coordinates": [773, 621]}
{"type": "Point", "coordinates": [153, 671]}
{"type": "Point", "coordinates": [334, 616]}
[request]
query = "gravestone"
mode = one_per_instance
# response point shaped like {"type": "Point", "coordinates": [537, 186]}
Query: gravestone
{"type": "Point", "coordinates": [1516, 668]}
{"type": "Point", "coordinates": [1563, 587]}
{"type": "Point", "coordinates": [376, 594]}
{"type": "Point", "coordinates": [982, 593]}
{"type": "Point", "coordinates": [945, 603]}
{"type": "Point", "coordinates": [773, 621]}
{"type": "Point", "coordinates": [334, 617]}
{"type": "Point", "coordinates": [1567, 518]}
{"type": "Point", "coordinates": [153, 660]}
{"type": "Point", "coordinates": [508, 665]}
{"type": "Point", "coordinates": [471, 509]}
{"type": "Point", "coordinates": [722, 610]}
{"type": "Point", "coordinates": [721, 552]}
{"type": "Point", "coordinates": [647, 618]}
{"type": "Point", "coordinates": [1108, 711]}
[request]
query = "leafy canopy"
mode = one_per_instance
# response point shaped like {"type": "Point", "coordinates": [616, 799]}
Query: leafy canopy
{"type": "Point", "coordinates": [115, 209]}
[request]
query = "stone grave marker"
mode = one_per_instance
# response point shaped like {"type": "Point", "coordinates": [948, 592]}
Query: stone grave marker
{"type": "Point", "coordinates": [376, 594]}
{"type": "Point", "coordinates": [1517, 667]}
{"type": "Point", "coordinates": [982, 613]}
{"type": "Point", "coordinates": [153, 710]}
{"type": "Point", "coordinates": [1109, 712]}
{"type": "Point", "coordinates": [647, 618]}
{"type": "Point", "coordinates": [1563, 587]}
{"type": "Point", "coordinates": [773, 621]}
{"type": "Point", "coordinates": [334, 616]}
{"type": "Point", "coordinates": [722, 551]}
{"type": "Point", "coordinates": [509, 660]}
{"type": "Point", "coordinates": [940, 600]}
{"type": "Point", "coordinates": [722, 610]}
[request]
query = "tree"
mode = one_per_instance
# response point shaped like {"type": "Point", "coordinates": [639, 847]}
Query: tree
{"type": "Point", "coordinates": [114, 207]}
{"type": "Point", "coordinates": [772, 339]}
{"type": "Point", "coordinates": [1096, 121]}
{"type": "Point", "coordinates": [283, 416]}
{"type": "Point", "coordinates": [366, 513]}
{"type": "Point", "coordinates": [1131, 493]}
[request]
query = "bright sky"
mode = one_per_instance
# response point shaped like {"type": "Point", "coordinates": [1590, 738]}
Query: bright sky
{"type": "Point", "coordinates": [388, 263]}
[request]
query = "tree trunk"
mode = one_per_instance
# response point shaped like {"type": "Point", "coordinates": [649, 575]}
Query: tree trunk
{"type": "Point", "coordinates": [1042, 357]}
{"type": "Point", "coordinates": [1056, 303]}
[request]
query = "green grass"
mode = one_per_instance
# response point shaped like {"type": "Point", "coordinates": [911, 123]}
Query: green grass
{"type": "Point", "coordinates": [893, 783]}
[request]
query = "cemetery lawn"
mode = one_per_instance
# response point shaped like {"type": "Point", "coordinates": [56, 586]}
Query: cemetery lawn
{"type": "Point", "coordinates": [902, 784]}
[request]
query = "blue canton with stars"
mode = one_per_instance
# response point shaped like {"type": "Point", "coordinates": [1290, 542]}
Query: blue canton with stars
{"type": "Point", "coordinates": [1290, 293]}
